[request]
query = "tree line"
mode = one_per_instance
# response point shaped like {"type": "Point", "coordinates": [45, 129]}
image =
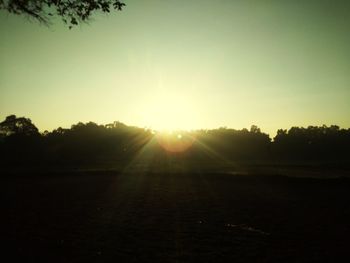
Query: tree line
{"type": "Point", "coordinates": [21, 143]}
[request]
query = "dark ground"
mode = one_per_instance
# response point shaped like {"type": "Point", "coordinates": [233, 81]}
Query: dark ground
{"type": "Point", "coordinates": [172, 215]}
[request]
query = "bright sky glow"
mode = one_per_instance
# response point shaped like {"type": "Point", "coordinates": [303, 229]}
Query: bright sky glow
{"type": "Point", "coordinates": [183, 65]}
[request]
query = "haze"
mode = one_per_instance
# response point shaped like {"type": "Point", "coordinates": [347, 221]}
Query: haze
{"type": "Point", "coordinates": [183, 65]}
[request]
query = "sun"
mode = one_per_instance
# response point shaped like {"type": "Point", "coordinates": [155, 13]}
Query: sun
{"type": "Point", "coordinates": [170, 113]}
{"type": "Point", "coordinates": [175, 142]}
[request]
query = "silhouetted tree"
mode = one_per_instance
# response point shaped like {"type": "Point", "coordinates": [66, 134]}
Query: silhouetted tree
{"type": "Point", "coordinates": [234, 144]}
{"type": "Point", "coordinates": [255, 129]}
{"type": "Point", "coordinates": [91, 143]}
{"type": "Point", "coordinates": [312, 144]}
{"type": "Point", "coordinates": [72, 12]}
{"type": "Point", "coordinates": [17, 126]}
{"type": "Point", "coordinates": [20, 141]}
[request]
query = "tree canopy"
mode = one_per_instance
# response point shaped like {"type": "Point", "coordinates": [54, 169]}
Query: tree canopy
{"type": "Point", "coordinates": [72, 12]}
{"type": "Point", "coordinates": [91, 143]}
{"type": "Point", "coordinates": [14, 125]}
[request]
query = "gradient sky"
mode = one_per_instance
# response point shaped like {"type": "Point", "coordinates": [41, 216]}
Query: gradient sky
{"type": "Point", "coordinates": [183, 64]}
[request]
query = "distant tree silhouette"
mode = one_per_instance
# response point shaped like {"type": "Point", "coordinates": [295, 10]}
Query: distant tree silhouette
{"type": "Point", "coordinates": [313, 144]}
{"type": "Point", "coordinates": [91, 143]}
{"type": "Point", "coordinates": [17, 126]}
{"type": "Point", "coordinates": [72, 12]}
{"type": "Point", "coordinates": [20, 141]}
{"type": "Point", "coordinates": [255, 129]}
{"type": "Point", "coordinates": [237, 144]}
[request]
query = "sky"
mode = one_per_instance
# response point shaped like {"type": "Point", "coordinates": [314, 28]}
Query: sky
{"type": "Point", "coordinates": [183, 65]}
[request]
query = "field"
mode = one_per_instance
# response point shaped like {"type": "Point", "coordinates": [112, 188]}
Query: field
{"type": "Point", "coordinates": [173, 215]}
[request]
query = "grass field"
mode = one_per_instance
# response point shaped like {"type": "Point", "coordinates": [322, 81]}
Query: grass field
{"type": "Point", "coordinates": [173, 215]}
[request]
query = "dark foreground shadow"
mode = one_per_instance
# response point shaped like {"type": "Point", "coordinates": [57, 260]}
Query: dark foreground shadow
{"type": "Point", "coordinates": [172, 216]}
